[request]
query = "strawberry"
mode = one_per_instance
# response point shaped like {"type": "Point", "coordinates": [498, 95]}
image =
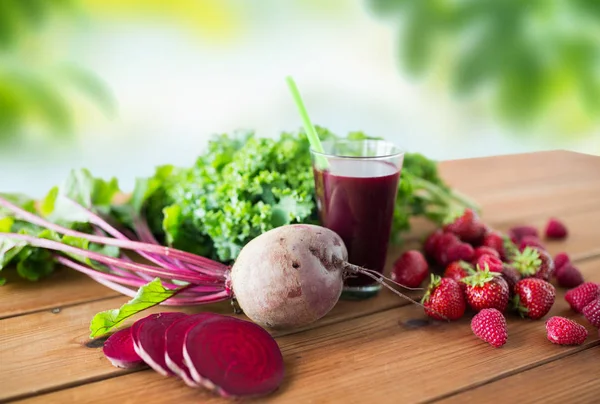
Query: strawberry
{"type": "Point", "coordinates": [582, 295]}
{"type": "Point", "coordinates": [410, 269]}
{"type": "Point", "coordinates": [442, 246]}
{"type": "Point", "coordinates": [592, 312]}
{"type": "Point", "coordinates": [530, 241]}
{"type": "Point", "coordinates": [518, 232]}
{"type": "Point", "coordinates": [500, 243]}
{"type": "Point", "coordinates": [430, 246]}
{"type": "Point", "coordinates": [561, 259]}
{"type": "Point", "coordinates": [467, 227]}
{"type": "Point", "coordinates": [568, 276]}
{"type": "Point", "coordinates": [533, 262]}
{"type": "Point", "coordinates": [483, 250]}
{"type": "Point", "coordinates": [444, 299]}
{"type": "Point", "coordinates": [493, 264]}
{"type": "Point", "coordinates": [486, 290]}
{"type": "Point", "coordinates": [458, 270]}
{"type": "Point", "coordinates": [555, 229]}
{"type": "Point", "coordinates": [493, 239]}
{"type": "Point", "coordinates": [534, 297]}
{"type": "Point", "coordinates": [511, 276]}
{"type": "Point", "coordinates": [459, 252]}
{"type": "Point", "coordinates": [563, 331]}
{"type": "Point", "coordinates": [490, 326]}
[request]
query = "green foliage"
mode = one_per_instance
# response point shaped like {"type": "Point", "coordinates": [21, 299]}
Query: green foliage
{"type": "Point", "coordinates": [147, 296]}
{"type": "Point", "coordinates": [34, 263]}
{"type": "Point", "coordinates": [34, 91]}
{"type": "Point", "coordinates": [529, 58]}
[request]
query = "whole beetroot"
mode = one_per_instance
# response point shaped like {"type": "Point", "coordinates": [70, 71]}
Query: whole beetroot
{"type": "Point", "coordinates": [290, 276]}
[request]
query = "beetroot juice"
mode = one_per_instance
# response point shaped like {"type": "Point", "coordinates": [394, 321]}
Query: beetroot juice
{"type": "Point", "coordinates": [356, 199]}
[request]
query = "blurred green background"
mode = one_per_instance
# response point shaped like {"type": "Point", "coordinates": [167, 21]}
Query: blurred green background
{"type": "Point", "coordinates": [122, 85]}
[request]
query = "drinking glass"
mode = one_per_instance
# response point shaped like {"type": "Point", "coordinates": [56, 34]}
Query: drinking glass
{"type": "Point", "coordinates": [356, 183]}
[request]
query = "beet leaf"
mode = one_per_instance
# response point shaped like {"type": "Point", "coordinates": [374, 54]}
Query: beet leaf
{"type": "Point", "coordinates": [147, 296]}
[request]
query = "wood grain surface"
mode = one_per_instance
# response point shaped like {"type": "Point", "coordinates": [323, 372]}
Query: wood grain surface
{"type": "Point", "coordinates": [380, 350]}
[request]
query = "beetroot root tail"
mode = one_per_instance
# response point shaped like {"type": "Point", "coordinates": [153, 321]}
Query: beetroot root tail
{"type": "Point", "coordinates": [379, 278]}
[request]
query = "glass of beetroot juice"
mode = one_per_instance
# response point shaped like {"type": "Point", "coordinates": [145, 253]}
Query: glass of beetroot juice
{"type": "Point", "coordinates": [356, 183]}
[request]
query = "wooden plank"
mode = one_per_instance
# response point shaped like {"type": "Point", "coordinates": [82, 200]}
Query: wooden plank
{"type": "Point", "coordinates": [389, 349]}
{"type": "Point", "coordinates": [63, 288]}
{"type": "Point", "coordinates": [493, 175]}
{"type": "Point", "coordinates": [518, 205]}
{"type": "Point", "coordinates": [573, 379]}
{"type": "Point", "coordinates": [574, 187]}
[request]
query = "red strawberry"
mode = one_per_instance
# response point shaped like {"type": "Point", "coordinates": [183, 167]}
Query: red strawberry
{"type": "Point", "coordinates": [511, 276]}
{"type": "Point", "coordinates": [516, 233]}
{"type": "Point", "coordinates": [498, 242]}
{"type": "Point", "coordinates": [459, 252]}
{"type": "Point", "coordinates": [444, 299]}
{"type": "Point", "coordinates": [555, 229]}
{"type": "Point", "coordinates": [582, 295]}
{"type": "Point", "coordinates": [467, 227]}
{"type": "Point", "coordinates": [490, 326]}
{"type": "Point", "coordinates": [490, 262]}
{"type": "Point", "coordinates": [533, 262]}
{"type": "Point", "coordinates": [561, 259]}
{"type": "Point", "coordinates": [459, 270]}
{"type": "Point", "coordinates": [430, 246]}
{"type": "Point", "coordinates": [530, 241]}
{"type": "Point", "coordinates": [483, 250]}
{"type": "Point", "coordinates": [486, 290]}
{"type": "Point", "coordinates": [493, 240]}
{"type": "Point", "coordinates": [592, 312]}
{"type": "Point", "coordinates": [563, 331]}
{"type": "Point", "coordinates": [444, 243]}
{"type": "Point", "coordinates": [568, 276]}
{"type": "Point", "coordinates": [410, 269]}
{"type": "Point", "coordinates": [534, 297]}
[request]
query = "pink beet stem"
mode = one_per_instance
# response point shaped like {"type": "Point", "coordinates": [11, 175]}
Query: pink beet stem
{"type": "Point", "coordinates": [214, 268]}
{"type": "Point", "coordinates": [129, 281]}
{"type": "Point", "coordinates": [98, 221]}
{"type": "Point", "coordinates": [104, 259]}
{"type": "Point", "coordinates": [146, 236]}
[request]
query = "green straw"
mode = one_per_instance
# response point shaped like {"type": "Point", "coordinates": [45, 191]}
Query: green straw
{"type": "Point", "coordinates": [313, 138]}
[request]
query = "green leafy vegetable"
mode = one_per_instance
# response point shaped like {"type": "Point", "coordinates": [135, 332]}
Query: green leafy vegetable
{"type": "Point", "coordinates": [147, 296]}
{"type": "Point", "coordinates": [32, 263]}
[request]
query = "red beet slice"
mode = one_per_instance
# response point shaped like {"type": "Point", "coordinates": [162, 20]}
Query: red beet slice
{"type": "Point", "coordinates": [119, 350]}
{"type": "Point", "coordinates": [235, 358]}
{"type": "Point", "coordinates": [174, 339]}
{"type": "Point", "coordinates": [149, 339]}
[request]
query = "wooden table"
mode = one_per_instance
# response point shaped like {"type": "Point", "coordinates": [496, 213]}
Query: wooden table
{"type": "Point", "coordinates": [373, 351]}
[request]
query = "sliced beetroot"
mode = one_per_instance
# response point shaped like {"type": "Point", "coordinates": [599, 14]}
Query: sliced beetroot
{"type": "Point", "coordinates": [148, 336]}
{"type": "Point", "coordinates": [119, 350]}
{"type": "Point", "coordinates": [174, 338]}
{"type": "Point", "coordinates": [233, 357]}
